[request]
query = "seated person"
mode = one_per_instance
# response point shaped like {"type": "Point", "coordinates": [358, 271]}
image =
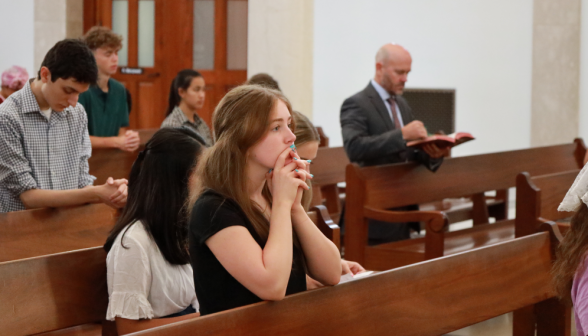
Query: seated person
{"type": "Point", "coordinates": [106, 101]}
{"type": "Point", "coordinates": [13, 79]}
{"type": "Point", "coordinates": [250, 237]}
{"type": "Point", "coordinates": [307, 144]}
{"type": "Point", "coordinates": [570, 270]}
{"type": "Point", "coordinates": [150, 281]}
{"type": "Point", "coordinates": [44, 143]}
{"type": "Point", "coordinates": [186, 98]}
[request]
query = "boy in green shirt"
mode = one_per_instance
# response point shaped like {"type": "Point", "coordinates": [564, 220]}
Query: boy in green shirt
{"type": "Point", "coordinates": [106, 101]}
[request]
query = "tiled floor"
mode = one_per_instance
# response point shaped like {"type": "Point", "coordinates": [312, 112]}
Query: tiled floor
{"type": "Point", "coordinates": [498, 326]}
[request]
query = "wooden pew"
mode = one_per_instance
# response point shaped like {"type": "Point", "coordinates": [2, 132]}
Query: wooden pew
{"type": "Point", "coordinates": [116, 163]}
{"type": "Point", "coordinates": [428, 298]}
{"type": "Point", "coordinates": [68, 289]}
{"type": "Point", "coordinates": [52, 292]}
{"type": "Point", "coordinates": [31, 233]}
{"type": "Point", "coordinates": [538, 198]}
{"type": "Point", "coordinates": [372, 190]}
{"type": "Point", "coordinates": [329, 170]}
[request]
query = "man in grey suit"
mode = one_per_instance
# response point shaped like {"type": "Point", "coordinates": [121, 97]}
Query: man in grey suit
{"type": "Point", "coordinates": [376, 124]}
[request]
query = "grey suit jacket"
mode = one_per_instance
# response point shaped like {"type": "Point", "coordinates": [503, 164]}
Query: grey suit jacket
{"type": "Point", "coordinates": [369, 136]}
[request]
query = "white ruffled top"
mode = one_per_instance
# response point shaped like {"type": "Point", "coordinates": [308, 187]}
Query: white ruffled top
{"type": "Point", "coordinates": [141, 283]}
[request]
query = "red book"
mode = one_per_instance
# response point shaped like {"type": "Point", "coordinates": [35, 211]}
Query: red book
{"type": "Point", "coordinates": [442, 141]}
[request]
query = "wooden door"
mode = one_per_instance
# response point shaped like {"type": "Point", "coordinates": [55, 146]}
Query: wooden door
{"type": "Point", "coordinates": [174, 32]}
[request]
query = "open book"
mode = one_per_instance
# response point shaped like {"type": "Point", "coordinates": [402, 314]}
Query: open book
{"type": "Point", "coordinates": [442, 141]}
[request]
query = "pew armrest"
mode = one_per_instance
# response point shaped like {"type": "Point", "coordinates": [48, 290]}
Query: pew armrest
{"type": "Point", "coordinates": [436, 220]}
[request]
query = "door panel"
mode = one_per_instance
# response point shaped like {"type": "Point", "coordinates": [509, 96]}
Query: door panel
{"type": "Point", "coordinates": [174, 29]}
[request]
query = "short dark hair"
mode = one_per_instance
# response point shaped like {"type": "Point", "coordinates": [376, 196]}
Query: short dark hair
{"type": "Point", "coordinates": [264, 79]}
{"type": "Point", "coordinates": [71, 58]}
{"type": "Point", "coordinates": [158, 192]}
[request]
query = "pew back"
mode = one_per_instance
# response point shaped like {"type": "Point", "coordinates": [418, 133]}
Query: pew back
{"type": "Point", "coordinates": [538, 198]}
{"type": "Point", "coordinates": [112, 162]}
{"type": "Point", "coordinates": [420, 299]}
{"type": "Point", "coordinates": [31, 233]}
{"type": "Point", "coordinates": [460, 176]}
{"type": "Point", "coordinates": [53, 292]}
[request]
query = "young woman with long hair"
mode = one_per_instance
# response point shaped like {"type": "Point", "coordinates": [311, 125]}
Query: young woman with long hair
{"type": "Point", "coordinates": [250, 237]}
{"type": "Point", "coordinates": [570, 270]}
{"type": "Point", "coordinates": [186, 99]}
{"type": "Point", "coordinates": [148, 270]}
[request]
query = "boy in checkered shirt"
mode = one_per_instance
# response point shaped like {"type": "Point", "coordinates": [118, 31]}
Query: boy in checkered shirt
{"type": "Point", "coordinates": [44, 141]}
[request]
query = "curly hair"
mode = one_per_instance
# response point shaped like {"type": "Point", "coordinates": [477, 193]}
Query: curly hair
{"type": "Point", "coordinates": [100, 37]}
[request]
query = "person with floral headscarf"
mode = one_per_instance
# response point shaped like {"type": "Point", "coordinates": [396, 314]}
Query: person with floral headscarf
{"type": "Point", "coordinates": [13, 79]}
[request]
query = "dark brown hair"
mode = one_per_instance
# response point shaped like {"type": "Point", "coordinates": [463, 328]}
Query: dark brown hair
{"type": "Point", "coordinates": [305, 132]}
{"type": "Point", "coordinates": [571, 254]}
{"type": "Point", "coordinates": [265, 80]}
{"type": "Point", "coordinates": [158, 192]}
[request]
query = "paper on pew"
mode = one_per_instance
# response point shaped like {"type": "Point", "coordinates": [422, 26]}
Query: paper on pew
{"type": "Point", "coordinates": [350, 277]}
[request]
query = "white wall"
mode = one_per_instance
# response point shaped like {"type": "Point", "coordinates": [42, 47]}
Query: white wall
{"type": "Point", "coordinates": [482, 48]}
{"type": "Point", "coordinates": [17, 26]}
{"type": "Point", "coordinates": [280, 35]}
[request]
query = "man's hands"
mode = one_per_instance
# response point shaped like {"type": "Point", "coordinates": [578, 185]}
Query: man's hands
{"type": "Point", "coordinates": [129, 141]}
{"type": "Point", "coordinates": [113, 192]}
{"type": "Point", "coordinates": [415, 130]}
{"type": "Point", "coordinates": [435, 152]}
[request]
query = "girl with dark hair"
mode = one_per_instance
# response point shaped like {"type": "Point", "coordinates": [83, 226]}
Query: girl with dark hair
{"type": "Point", "coordinates": [186, 98]}
{"type": "Point", "coordinates": [570, 270]}
{"type": "Point", "coordinates": [250, 237]}
{"type": "Point", "coordinates": [148, 270]}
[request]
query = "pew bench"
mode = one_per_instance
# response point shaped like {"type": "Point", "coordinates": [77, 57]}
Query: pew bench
{"type": "Point", "coordinates": [329, 170]}
{"type": "Point", "coordinates": [538, 198]}
{"type": "Point", "coordinates": [31, 233]}
{"type": "Point", "coordinates": [373, 190]}
{"type": "Point", "coordinates": [66, 294]}
{"type": "Point", "coordinates": [428, 298]}
{"type": "Point", "coordinates": [54, 292]}
{"type": "Point", "coordinates": [116, 163]}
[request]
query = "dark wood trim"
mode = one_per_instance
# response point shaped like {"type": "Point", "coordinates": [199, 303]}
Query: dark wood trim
{"type": "Point", "coordinates": [220, 34]}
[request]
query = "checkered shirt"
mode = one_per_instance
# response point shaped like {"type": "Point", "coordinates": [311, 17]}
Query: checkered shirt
{"type": "Point", "coordinates": [41, 153]}
{"type": "Point", "coordinates": [177, 119]}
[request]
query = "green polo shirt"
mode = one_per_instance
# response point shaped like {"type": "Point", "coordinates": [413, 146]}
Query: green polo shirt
{"type": "Point", "coordinates": [107, 111]}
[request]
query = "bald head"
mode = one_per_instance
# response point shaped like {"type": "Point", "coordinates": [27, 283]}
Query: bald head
{"type": "Point", "coordinates": [392, 52]}
{"type": "Point", "coordinates": [393, 63]}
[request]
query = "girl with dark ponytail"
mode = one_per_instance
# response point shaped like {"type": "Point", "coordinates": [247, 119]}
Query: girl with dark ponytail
{"type": "Point", "coordinates": [186, 98]}
{"type": "Point", "coordinates": [148, 266]}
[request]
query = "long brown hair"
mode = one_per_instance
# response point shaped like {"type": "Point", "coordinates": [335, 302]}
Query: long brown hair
{"type": "Point", "coordinates": [239, 121]}
{"type": "Point", "coordinates": [571, 254]}
{"type": "Point", "coordinates": [305, 132]}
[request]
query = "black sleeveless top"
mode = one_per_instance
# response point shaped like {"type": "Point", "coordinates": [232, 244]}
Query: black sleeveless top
{"type": "Point", "coordinates": [216, 289]}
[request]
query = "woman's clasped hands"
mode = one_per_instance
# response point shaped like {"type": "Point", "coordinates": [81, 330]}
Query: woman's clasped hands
{"type": "Point", "coordinates": [287, 180]}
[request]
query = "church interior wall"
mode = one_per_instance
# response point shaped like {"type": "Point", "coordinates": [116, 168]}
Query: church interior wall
{"type": "Point", "coordinates": [483, 49]}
